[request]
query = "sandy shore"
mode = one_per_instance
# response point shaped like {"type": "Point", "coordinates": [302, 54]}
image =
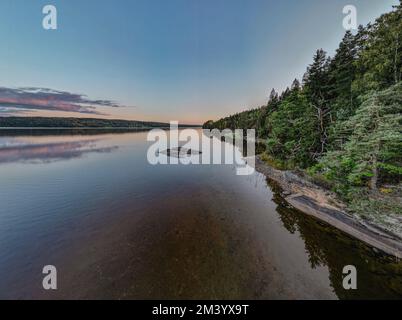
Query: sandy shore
{"type": "Point", "coordinates": [313, 200]}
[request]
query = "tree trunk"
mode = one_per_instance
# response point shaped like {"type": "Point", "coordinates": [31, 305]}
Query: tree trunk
{"type": "Point", "coordinates": [320, 117]}
{"type": "Point", "coordinates": [375, 154]}
{"type": "Point", "coordinates": [396, 71]}
{"type": "Point", "coordinates": [374, 178]}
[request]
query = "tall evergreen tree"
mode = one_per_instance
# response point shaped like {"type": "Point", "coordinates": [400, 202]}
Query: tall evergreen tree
{"type": "Point", "coordinates": [316, 85]}
{"type": "Point", "coordinates": [341, 76]}
{"type": "Point", "coordinates": [296, 85]}
{"type": "Point", "coordinates": [380, 62]}
{"type": "Point", "coordinates": [373, 150]}
{"type": "Point", "coordinates": [273, 97]}
{"type": "Point", "coordinates": [272, 105]}
{"type": "Point", "coordinates": [293, 132]}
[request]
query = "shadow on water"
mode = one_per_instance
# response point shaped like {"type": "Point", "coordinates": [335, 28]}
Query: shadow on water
{"type": "Point", "coordinates": [379, 276]}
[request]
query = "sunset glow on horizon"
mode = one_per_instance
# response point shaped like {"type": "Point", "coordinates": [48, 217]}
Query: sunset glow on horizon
{"type": "Point", "coordinates": [189, 61]}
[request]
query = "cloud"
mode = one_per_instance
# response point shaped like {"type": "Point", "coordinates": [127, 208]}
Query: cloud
{"type": "Point", "coordinates": [30, 98]}
{"type": "Point", "coordinates": [8, 112]}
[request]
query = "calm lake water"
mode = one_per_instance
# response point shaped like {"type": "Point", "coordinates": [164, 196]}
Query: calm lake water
{"type": "Point", "coordinates": [117, 227]}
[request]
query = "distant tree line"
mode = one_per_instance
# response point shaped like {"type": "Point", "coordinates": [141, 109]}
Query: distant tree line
{"type": "Point", "coordinates": [342, 124]}
{"type": "Point", "coordinates": [55, 122]}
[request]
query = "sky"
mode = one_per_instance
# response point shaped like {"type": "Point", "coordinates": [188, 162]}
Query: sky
{"type": "Point", "coordinates": [162, 60]}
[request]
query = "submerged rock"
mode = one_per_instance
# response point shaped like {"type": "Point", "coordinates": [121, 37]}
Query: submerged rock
{"type": "Point", "coordinates": [180, 152]}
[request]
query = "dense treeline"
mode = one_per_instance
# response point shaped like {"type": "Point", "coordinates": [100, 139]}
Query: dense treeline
{"type": "Point", "coordinates": [55, 122]}
{"type": "Point", "coordinates": [342, 123]}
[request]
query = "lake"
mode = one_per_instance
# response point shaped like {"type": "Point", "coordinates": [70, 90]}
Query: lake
{"type": "Point", "coordinates": [116, 227]}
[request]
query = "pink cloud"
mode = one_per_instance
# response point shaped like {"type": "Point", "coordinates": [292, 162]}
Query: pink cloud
{"type": "Point", "coordinates": [48, 99]}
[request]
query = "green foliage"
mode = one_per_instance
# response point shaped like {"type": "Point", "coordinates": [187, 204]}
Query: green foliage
{"type": "Point", "coordinates": [342, 73]}
{"type": "Point", "coordinates": [292, 136]}
{"type": "Point", "coordinates": [372, 153]}
{"type": "Point", "coordinates": [344, 123]}
{"type": "Point", "coordinates": [274, 162]}
{"type": "Point", "coordinates": [380, 59]}
{"type": "Point", "coordinates": [247, 119]}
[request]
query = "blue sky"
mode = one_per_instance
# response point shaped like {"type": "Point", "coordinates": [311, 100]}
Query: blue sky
{"type": "Point", "coordinates": [186, 60]}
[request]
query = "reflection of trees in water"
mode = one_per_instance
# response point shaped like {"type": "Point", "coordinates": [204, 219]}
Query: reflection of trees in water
{"type": "Point", "coordinates": [378, 276]}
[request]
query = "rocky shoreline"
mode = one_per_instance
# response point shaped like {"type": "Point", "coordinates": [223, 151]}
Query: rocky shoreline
{"type": "Point", "coordinates": [323, 205]}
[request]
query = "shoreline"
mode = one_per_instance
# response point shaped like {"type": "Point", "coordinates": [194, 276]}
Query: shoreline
{"type": "Point", "coordinates": [313, 200]}
{"type": "Point", "coordinates": [95, 128]}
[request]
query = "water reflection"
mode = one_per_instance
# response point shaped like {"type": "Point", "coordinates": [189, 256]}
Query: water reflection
{"type": "Point", "coordinates": [19, 150]}
{"type": "Point", "coordinates": [379, 276]}
{"type": "Point", "coordinates": [64, 132]}
{"type": "Point", "coordinates": [118, 227]}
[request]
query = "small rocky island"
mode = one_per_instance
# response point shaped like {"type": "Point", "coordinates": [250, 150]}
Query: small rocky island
{"type": "Point", "coordinates": [180, 152]}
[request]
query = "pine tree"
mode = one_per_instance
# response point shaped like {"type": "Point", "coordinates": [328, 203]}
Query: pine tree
{"type": "Point", "coordinates": [272, 105]}
{"type": "Point", "coordinates": [273, 97]}
{"type": "Point", "coordinates": [341, 76]}
{"type": "Point", "coordinates": [316, 85]}
{"type": "Point", "coordinates": [380, 61]}
{"type": "Point", "coordinates": [373, 150]}
{"type": "Point", "coordinates": [296, 85]}
{"type": "Point", "coordinates": [293, 135]}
